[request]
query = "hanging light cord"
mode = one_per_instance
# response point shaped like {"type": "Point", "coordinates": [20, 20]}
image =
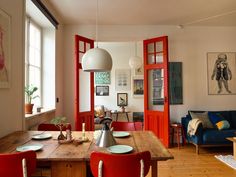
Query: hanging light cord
{"type": "Point", "coordinates": [97, 24]}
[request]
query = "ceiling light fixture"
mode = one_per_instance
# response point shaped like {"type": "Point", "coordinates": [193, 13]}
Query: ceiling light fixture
{"type": "Point", "coordinates": [96, 59]}
{"type": "Point", "coordinates": [135, 61]}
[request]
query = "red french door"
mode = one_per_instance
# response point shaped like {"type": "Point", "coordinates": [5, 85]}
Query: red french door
{"type": "Point", "coordinates": [156, 100]}
{"type": "Point", "coordinates": [84, 86]}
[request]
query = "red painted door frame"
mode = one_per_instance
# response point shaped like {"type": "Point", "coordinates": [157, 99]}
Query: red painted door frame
{"type": "Point", "coordinates": [86, 117]}
{"type": "Point", "coordinates": [157, 121]}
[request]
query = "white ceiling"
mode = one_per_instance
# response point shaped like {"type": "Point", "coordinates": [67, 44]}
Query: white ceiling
{"type": "Point", "coordinates": [148, 12]}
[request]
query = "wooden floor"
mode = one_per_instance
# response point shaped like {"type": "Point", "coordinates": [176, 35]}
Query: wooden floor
{"type": "Point", "coordinates": [188, 164]}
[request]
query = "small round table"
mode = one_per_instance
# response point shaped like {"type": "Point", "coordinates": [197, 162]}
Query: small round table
{"type": "Point", "coordinates": [177, 132]}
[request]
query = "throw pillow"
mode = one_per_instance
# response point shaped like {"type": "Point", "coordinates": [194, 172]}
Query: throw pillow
{"type": "Point", "coordinates": [203, 117]}
{"type": "Point", "coordinates": [215, 118]}
{"type": "Point", "coordinates": [224, 124]}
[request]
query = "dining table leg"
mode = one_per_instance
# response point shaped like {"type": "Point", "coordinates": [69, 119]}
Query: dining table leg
{"type": "Point", "coordinates": [154, 168]}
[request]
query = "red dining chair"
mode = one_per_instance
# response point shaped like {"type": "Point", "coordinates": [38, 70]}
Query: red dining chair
{"type": "Point", "coordinates": [11, 165]}
{"type": "Point", "coordinates": [52, 127]}
{"type": "Point", "coordinates": [125, 165]}
{"type": "Point", "coordinates": [126, 126]}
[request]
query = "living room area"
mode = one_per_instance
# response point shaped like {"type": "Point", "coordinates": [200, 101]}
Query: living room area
{"type": "Point", "coordinates": [201, 38]}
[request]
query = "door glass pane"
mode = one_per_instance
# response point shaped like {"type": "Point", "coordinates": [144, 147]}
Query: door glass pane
{"type": "Point", "coordinates": [159, 58]}
{"type": "Point", "coordinates": [80, 57]}
{"type": "Point", "coordinates": [81, 46]}
{"type": "Point", "coordinates": [87, 46]}
{"type": "Point", "coordinates": [156, 89]}
{"type": "Point", "coordinates": [159, 46]}
{"type": "Point", "coordinates": [150, 48]}
{"type": "Point", "coordinates": [84, 88]}
{"type": "Point", "coordinates": [151, 59]}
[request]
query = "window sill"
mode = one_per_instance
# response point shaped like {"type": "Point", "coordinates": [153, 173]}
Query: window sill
{"type": "Point", "coordinates": [30, 116]}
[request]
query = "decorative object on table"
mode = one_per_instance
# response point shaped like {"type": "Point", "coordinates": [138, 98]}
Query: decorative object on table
{"type": "Point", "coordinates": [29, 96]}
{"type": "Point", "coordinates": [102, 77]}
{"type": "Point", "coordinates": [60, 122]}
{"type": "Point", "coordinates": [122, 108]}
{"type": "Point", "coordinates": [122, 79]}
{"type": "Point", "coordinates": [102, 90]}
{"type": "Point", "coordinates": [221, 71]}
{"type": "Point", "coordinates": [175, 83]}
{"type": "Point", "coordinates": [122, 99]}
{"type": "Point", "coordinates": [5, 58]}
{"type": "Point", "coordinates": [106, 138]}
{"type": "Point", "coordinates": [96, 59]}
{"type": "Point", "coordinates": [137, 86]}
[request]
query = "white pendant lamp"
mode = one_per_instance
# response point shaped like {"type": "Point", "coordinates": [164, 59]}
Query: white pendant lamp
{"type": "Point", "coordinates": [96, 59]}
{"type": "Point", "coordinates": [135, 61]}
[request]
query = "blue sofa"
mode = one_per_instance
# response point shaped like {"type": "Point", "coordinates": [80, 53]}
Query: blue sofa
{"type": "Point", "coordinates": [205, 137]}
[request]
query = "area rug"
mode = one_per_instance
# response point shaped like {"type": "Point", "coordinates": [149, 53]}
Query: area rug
{"type": "Point", "coordinates": [227, 159]}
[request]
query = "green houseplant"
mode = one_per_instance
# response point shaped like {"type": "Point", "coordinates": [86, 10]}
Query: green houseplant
{"type": "Point", "coordinates": [29, 96]}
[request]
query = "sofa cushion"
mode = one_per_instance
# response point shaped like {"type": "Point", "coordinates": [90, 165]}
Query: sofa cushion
{"type": "Point", "coordinates": [214, 136]}
{"type": "Point", "coordinates": [215, 118]}
{"type": "Point", "coordinates": [222, 125]}
{"type": "Point", "coordinates": [203, 117]}
{"type": "Point", "coordinates": [225, 114]}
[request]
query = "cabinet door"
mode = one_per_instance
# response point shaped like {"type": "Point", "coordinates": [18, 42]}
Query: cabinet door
{"type": "Point", "coordinates": [68, 169]}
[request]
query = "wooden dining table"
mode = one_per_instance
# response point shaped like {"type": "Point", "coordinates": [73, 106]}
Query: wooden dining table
{"type": "Point", "coordinates": [72, 159]}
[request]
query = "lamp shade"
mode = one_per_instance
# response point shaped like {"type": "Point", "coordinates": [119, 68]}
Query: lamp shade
{"type": "Point", "coordinates": [135, 62]}
{"type": "Point", "coordinates": [96, 60]}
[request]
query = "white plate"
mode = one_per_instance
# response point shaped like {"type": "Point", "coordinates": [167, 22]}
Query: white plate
{"type": "Point", "coordinates": [119, 149]}
{"type": "Point", "coordinates": [120, 134]}
{"type": "Point", "coordinates": [42, 136]}
{"type": "Point", "coordinates": [33, 147]}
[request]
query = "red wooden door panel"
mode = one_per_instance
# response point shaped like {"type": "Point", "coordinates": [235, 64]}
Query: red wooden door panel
{"type": "Point", "coordinates": [156, 99]}
{"type": "Point", "coordinates": [84, 86]}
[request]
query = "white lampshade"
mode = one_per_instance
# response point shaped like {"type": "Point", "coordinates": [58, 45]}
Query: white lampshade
{"type": "Point", "coordinates": [96, 60]}
{"type": "Point", "coordinates": [135, 62]}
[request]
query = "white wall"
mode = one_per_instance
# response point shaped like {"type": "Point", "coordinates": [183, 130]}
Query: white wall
{"type": "Point", "coordinates": [11, 99]}
{"type": "Point", "coordinates": [188, 45]}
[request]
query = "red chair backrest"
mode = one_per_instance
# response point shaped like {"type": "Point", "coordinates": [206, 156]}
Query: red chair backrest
{"type": "Point", "coordinates": [125, 165]}
{"type": "Point", "coordinates": [126, 126]}
{"type": "Point", "coordinates": [52, 127]}
{"type": "Point", "coordinates": [11, 164]}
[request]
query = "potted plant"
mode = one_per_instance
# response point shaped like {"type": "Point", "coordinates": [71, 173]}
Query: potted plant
{"type": "Point", "coordinates": [29, 96]}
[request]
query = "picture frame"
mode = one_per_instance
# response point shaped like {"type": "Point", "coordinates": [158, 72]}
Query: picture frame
{"type": "Point", "coordinates": [221, 72]}
{"type": "Point", "coordinates": [122, 99]}
{"type": "Point", "coordinates": [5, 59]}
{"type": "Point", "coordinates": [122, 79]}
{"type": "Point", "coordinates": [102, 78]}
{"type": "Point", "coordinates": [137, 86]}
{"type": "Point", "coordinates": [102, 90]}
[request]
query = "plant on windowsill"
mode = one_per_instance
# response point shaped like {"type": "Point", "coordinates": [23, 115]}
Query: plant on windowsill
{"type": "Point", "coordinates": [29, 96]}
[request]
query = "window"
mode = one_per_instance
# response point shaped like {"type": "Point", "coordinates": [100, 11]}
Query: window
{"type": "Point", "coordinates": [40, 55]}
{"type": "Point", "coordinates": [33, 60]}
